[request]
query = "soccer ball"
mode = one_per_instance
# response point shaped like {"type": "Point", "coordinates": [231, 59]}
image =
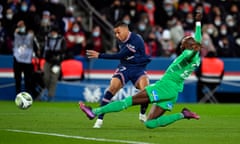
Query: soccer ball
{"type": "Point", "coordinates": [23, 100]}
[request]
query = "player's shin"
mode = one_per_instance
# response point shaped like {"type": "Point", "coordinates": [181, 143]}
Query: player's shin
{"type": "Point", "coordinates": [106, 99]}
{"type": "Point", "coordinates": [163, 121]}
{"type": "Point", "coordinates": [115, 106]}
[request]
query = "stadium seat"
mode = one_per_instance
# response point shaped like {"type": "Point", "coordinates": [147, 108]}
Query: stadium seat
{"type": "Point", "coordinates": [209, 94]}
{"type": "Point", "coordinates": [72, 70]}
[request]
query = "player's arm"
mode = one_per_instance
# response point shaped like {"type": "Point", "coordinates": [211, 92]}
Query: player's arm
{"type": "Point", "coordinates": [194, 44]}
{"type": "Point", "coordinates": [198, 31]}
{"type": "Point", "coordinates": [125, 52]}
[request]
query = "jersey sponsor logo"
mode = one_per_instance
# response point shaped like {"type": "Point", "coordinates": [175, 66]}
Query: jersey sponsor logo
{"type": "Point", "coordinates": [155, 95]}
{"type": "Point", "coordinates": [131, 47]}
{"type": "Point", "coordinates": [130, 57]}
{"type": "Point", "coordinates": [170, 106]}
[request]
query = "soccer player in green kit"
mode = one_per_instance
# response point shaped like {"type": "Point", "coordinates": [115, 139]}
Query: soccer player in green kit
{"type": "Point", "coordinates": [164, 93]}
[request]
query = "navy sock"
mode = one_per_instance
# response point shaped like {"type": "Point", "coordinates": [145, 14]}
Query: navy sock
{"type": "Point", "coordinates": [106, 99]}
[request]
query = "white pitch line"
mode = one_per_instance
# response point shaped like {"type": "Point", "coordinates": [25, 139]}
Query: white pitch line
{"type": "Point", "coordinates": [77, 137]}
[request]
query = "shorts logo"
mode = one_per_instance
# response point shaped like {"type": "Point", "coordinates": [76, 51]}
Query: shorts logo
{"type": "Point", "coordinates": [155, 95]}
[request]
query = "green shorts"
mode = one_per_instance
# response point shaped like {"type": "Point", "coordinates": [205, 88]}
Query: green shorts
{"type": "Point", "coordinates": [163, 93]}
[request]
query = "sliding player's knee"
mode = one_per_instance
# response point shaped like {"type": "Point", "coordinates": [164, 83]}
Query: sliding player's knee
{"type": "Point", "coordinates": [149, 124]}
{"type": "Point", "coordinates": [154, 123]}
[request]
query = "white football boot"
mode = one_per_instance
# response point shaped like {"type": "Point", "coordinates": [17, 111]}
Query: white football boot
{"type": "Point", "coordinates": [98, 123]}
{"type": "Point", "coordinates": [142, 117]}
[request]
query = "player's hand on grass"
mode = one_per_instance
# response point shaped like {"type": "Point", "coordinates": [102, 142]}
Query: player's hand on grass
{"type": "Point", "coordinates": [92, 54]}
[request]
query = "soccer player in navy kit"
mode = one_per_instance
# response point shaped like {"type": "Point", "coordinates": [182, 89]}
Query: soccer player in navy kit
{"type": "Point", "coordinates": [133, 62]}
{"type": "Point", "coordinates": [163, 94]}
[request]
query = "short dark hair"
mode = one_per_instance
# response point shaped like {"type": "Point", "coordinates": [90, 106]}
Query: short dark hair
{"type": "Point", "coordinates": [120, 23]}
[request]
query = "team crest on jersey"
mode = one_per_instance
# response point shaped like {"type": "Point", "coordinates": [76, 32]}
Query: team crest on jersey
{"type": "Point", "coordinates": [170, 106]}
{"type": "Point", "coordinates": [131, 47]}
{"type": "Point", "coordinates": [155, 95]}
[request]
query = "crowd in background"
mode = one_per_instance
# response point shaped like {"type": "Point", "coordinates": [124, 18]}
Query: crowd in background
{"type": "Point", "coordinates": [40, 17]}
{"type": "Point", "coordinates": [162, 24]}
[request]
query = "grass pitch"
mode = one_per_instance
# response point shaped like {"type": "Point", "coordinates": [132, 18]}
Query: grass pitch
{"type": "Point", "coordinates": [63, 122]}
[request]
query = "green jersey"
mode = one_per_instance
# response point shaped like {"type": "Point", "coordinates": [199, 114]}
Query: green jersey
{"type": "Point", "coordinates": [165, 91]}
{"type": "Point", "coordinates": [182, 67]}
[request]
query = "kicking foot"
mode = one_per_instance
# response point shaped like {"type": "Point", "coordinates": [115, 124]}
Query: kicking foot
{"type": "Point", "coordinates": [98, 123]}
{"type": "Point", "coordinates": [142, 117]}
{"type": "Point", "coordinates": [189, 115]}
{"type": "Point", "coordinates": [87, 110]}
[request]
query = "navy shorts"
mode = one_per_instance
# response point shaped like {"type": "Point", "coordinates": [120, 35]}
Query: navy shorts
{"type": "Point", "coordinates": [129, 73]}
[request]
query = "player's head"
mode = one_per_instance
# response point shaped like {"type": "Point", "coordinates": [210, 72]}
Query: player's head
{"type": "Point", "coordinates": [188, 42]}
{"type": "Point", "coordinates": [121, 31]}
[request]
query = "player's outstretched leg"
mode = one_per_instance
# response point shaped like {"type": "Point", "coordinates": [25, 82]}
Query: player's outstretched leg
{"type": "Point", "coordinates": [87, 110]}
{"type": "Point", "coordinates": [189, 115]}
{"type": "Point", "coordinates": [106, 99]}
{"type": "Point", "coordinates": [115, 106]}
{"type": "Point", "coordinates": [166, 120]}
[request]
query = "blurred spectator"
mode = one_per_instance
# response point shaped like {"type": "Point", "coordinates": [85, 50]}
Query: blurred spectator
{"type": "Point", "coordinates": [22, 13]}
{"type": "Point", "coordinates": [127, 20]}
{"type": "Point", "coordinates": [79, 20]}
{"type": "Point", "coordinates": [143, 28]}
{"type": "Point", "coordinates": [217, 21]}
{"type": "Point", "coordinates": [8, 22]}
{"type": "Point", "coordinates": [115, 12]}
{"type": "Point", "coordinates": [234, 12]}
{"type": "Point", "coordinates": [75, 40]}
{"type": "Point", "coordinates": [23, 51]}
{"type": "Point", "coordinates": [3, 38]}
{"type": "Point", "coordinates": [216, 15]}
{"type": "Point", "coordinates": [204, 8]}
{"type": "Point", "coordinates": [184, 8]}
{"type": "Point", "coordinates": [68, 19]}
{"type": "Point", "coordinates": [152, 46]}
{"type": "Point", "coordinates": [223, 31]}
{"type": "Point", "coordinates": [149, 8]}
{"type": "Point", "coordinates": [211, 30]}
{"type": "Point", "coordinates": [13, 5]}
{"type": "Point", "coordinates": [1, 11]}
{"type": "Point", "coordinates": [158, 32]}
{"type": "Point", "coordinates": [188, 24]}
{"type": "Point", "coordinates": [34, 19]}
{"type": "Point", "coordinates": [131, 10]}
{"type": "Point", "coordinates": [57, 9]}
{"type": "Point", "coordinates": [44, 29]}
{"type": "Point", "coordinates": [207, 44]}
{"type": "Point", "coordinates": [54, 51]}
{"type": "Point", "coordinates": [167, 44]}
{"type": "Point", "coordinates": [225, 47]}
{"type": "Point", "coordinates": [164, 12]}
{"type": "Point", "coordinates": [176, 31]}
{"type": "Point", "coordinates": [231, 24]}
{"type": "Point", "coordinates": [97, 41]}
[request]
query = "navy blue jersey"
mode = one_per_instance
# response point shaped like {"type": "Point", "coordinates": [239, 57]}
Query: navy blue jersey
{"type": "Point", "coordinates": [132, 52]}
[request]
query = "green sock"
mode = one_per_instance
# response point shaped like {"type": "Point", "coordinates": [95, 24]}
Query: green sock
{"type": "Point", "coordinates": [114, 106]}
{"type": "Point", "coordinates": [163, 120]}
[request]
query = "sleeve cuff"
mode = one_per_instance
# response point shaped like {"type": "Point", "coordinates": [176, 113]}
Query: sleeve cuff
{"type": "Point", "coordinates": [198, 23]}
